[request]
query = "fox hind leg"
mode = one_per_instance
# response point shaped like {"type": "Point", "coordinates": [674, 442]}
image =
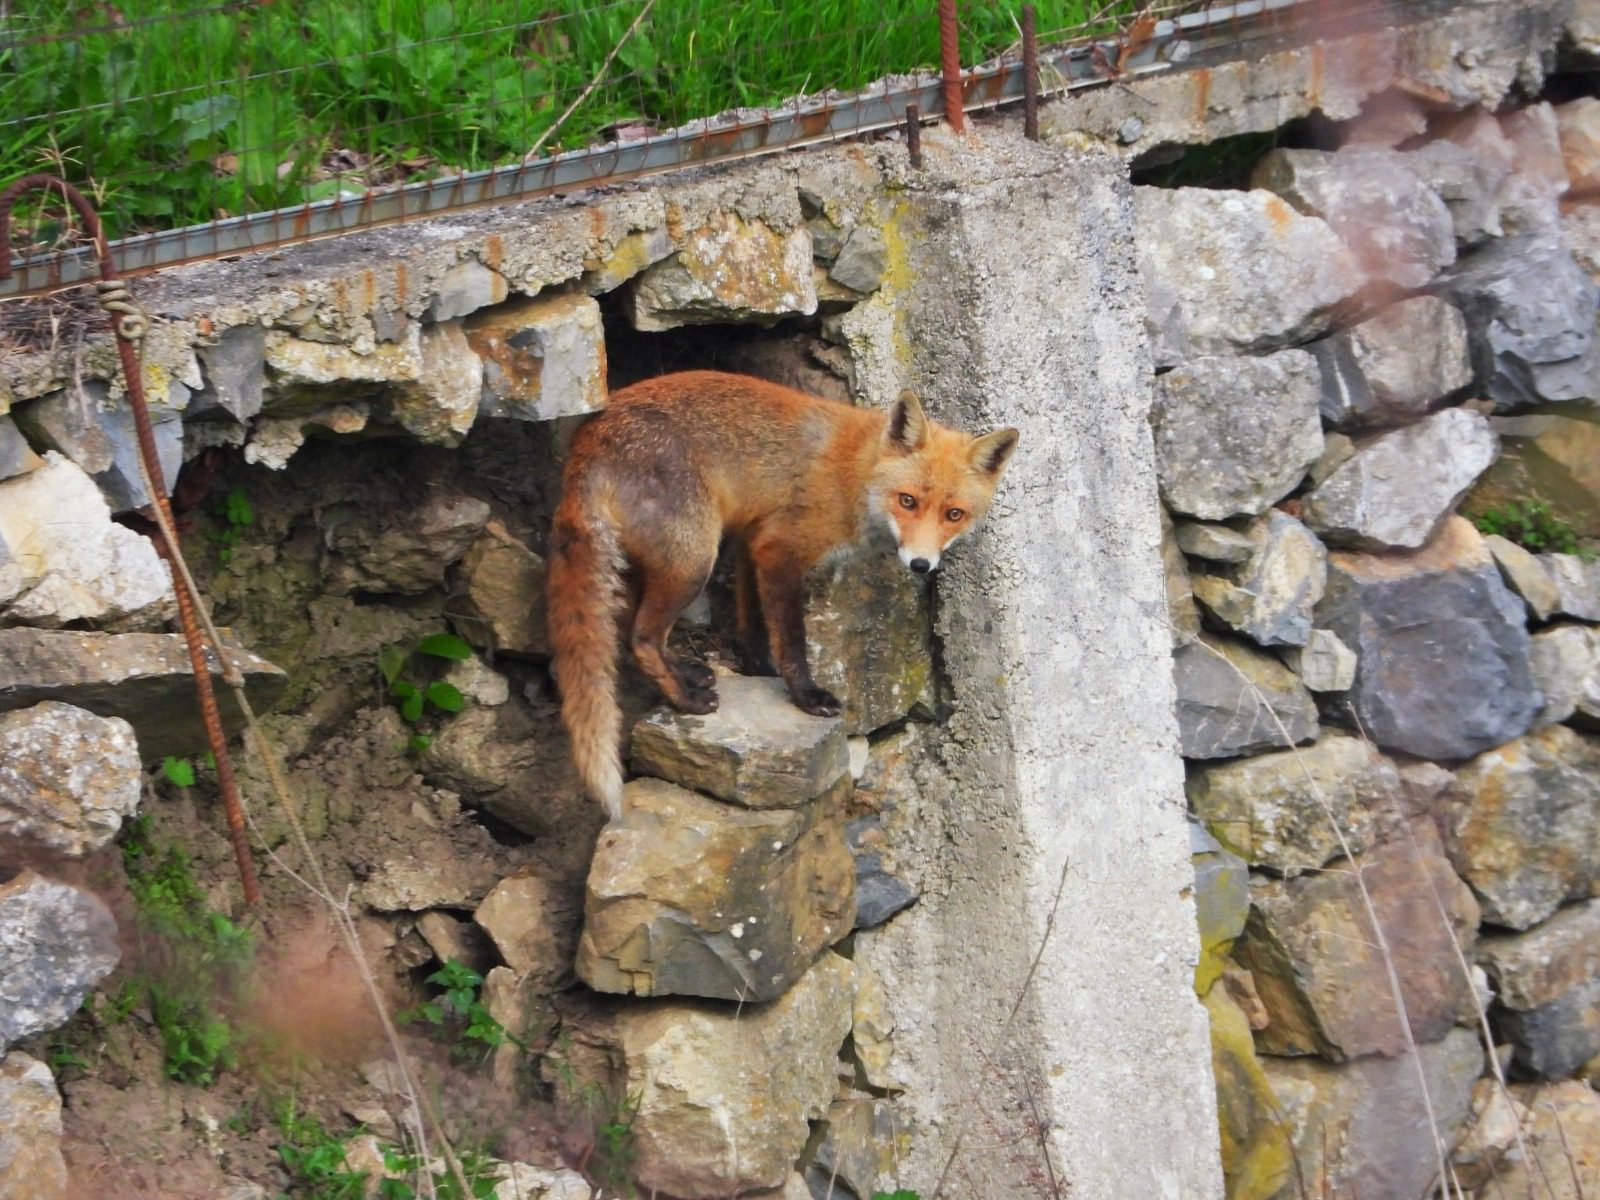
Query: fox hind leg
{"type": "Point", "coordinates": [667, 590]}
{"type": "Point", "coordinates": [754, 654]}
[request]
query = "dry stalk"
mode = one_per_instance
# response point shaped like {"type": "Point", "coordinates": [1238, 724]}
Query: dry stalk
{"type": "Point", "coordinates": [599, 75]}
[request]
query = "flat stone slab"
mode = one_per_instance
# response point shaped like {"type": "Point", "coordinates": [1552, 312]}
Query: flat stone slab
{"type": "Point", "coordinates": [757, 749]}
{"type": "Point", "coordinates": [689, 896]}
{"type": "Point", "coordinates": [1532, 969]}
{"type": "Point", "coordinates": [144, 678]}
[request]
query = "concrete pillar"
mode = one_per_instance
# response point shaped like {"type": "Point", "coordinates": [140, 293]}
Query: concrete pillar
{"type": "Point", "coordinates": [1059, 881]}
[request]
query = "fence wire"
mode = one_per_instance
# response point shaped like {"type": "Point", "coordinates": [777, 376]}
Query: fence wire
{"type": "Point", "coordinates": [205, 129]}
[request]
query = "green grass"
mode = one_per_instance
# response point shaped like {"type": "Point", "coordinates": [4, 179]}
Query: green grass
{"type": "Point", "coordinates": [178, 111]}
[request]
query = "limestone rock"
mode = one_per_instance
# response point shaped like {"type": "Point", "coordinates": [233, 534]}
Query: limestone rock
{"type": "Point", "coordinates": [1578, 128]}
{"type": "Point", "coordinates": [725, 1093]}
{"type": "Point", "coordinates": [1529, 836]}
{"type": "Point", "coordinates": [1563, 1140]}
{"type": "Point", "coordinates": [1276, 809]}
{"type": "Point", "coordinates": [1233, 699]}
{"type": "Point", "coordinates": [861, 261]}
{"type": "Point", "coordinates": [533, 927]}
{"type": "Point", "coordinates": [872, 1032]}
{"type": "Point", "coordinates": [1442, 649]}
{"type": "Point", "coordinates": [729, 269]}
{"type": "Point", "coordinates": [1362, 1129]}
{"type": "Point", "coordinates": [499, 600]}
{"type": "Point", "coordinates": [1526, 575]}
{"type": "Point", "coordinates": [1577, 584]}
{"type": "Point", "coordinates": [478, 681]}
{"type": "Point", "coordinates": [1395, 225]}
{"type": "Point", "coordinates": [1269, 597]}
{"type": "Point", "coordinates": [632, 253]}
{"type": "Point", "coordinates": [542, 358]}
{"type": "Point", "coordinates": [1250, 274]}
{"type": "Point", "coordinates": [1530, 309]}
{"type": "Point", "coordinates": [234, 366]}
{"type": "Point", "coordinates": [1182, 614]}
{"type": "Point", "coordinates": [453, 939]}
{"type": "Point", "coordinates": [97, 433]}
{"type": "Point", "coordinates": [1469, 183]}
{"type": "Point", "coordinates": [1233, 435]}
{"type": "Point", "coordinates": [1531, 132]}
{"type": "Point", "coordinates": [757, 749]}
{"type": "Point", "coordinates": [1549, 981]}
{"type": "Point", "coordinates": [74, 564]}
{"type": "Point", "coordinates": [1497, 1121]}
{"type": "Point", "coordinates": [524, 1181]}
{"type": "Point", "coordinates": [1551, 454]}
{"type": "Point", "coordinates": [68, 777]}
{"type": "Point", "coordinates": [404, 552]}
{"type": "Point", "coordinates": [1394, 366]}
{"type": "Point", "coordinates": [868, 639]}
{"type": "Point", "coordinates": [31, 1166]}
{"type": "Point", "coordinates": [1565, 660]}
{"type": "Point", "coordinates": [144, 678]}
{"type": "Point", "coordinates": [16, 456]}
{"type": "Point", "coordinates": [302, 373]}
{"type": "Point", "coordinates": [432, 873]}
{"type": "Point", "coordinates": [1324, 663]}
{"type": "Point", "coordinates": [1313, 952]}
{"type": "Point", "coordinates": [864, 1141]}
{"type": "Point", "coordinates": [442, 403]}
{"type": "Point", "coordinates": [887, 840]}
{"type": "Point", "coordinates": [465, 288]}
{"type": "Point", "coordinates": [1393, 492]}
{"type": "Point", "coordinates": [1215, 543]}
{"type": "Point", "coordinates": [691, 897]}
{"type": "Point", "coordinates": [1221, 902]}
{"type": "Point", "coordinates": [56, 942]}
{"type": "Point", "coordinates": [1256, 1156]}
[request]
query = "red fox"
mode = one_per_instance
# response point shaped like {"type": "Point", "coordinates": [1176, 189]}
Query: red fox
{"type": "Point", "coordinates": [676, 463]}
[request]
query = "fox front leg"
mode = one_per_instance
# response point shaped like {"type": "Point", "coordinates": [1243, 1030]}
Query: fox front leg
{"type": "Point", "coordinates": [782, 590]}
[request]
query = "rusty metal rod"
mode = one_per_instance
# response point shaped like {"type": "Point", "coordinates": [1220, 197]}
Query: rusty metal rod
{"type": "Point", "coordinates": [1030, 75]}
{"type": "Point", "coordinates": [914, 135]}
{"type": "Point", "coordinates": [128, 325]}
{"type": "Point", "coordinates": [950, 65]}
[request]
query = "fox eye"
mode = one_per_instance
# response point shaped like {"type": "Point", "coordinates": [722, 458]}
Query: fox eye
{"type": "Point", "coordinates": [907, 500]}
{"type": "Point", "coordinates": [954, 515]}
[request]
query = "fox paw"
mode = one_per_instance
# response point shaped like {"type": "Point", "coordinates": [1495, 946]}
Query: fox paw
{"type": "Point", "coordinates": [698, 701]}
{"type": "Point", "coordinates": [819, 702]}
{"type": "Point", "coordinates": [754, 662]}
{"type": "Point", "coordinates": [694, 674]}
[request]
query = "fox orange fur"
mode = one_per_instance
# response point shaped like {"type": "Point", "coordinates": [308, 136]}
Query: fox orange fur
{"type": "Point", "coordinates": [675, 464]}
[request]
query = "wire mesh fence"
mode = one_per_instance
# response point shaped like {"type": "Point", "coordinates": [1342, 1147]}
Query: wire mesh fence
{"type": "Point", "coordinates": [202, 129]}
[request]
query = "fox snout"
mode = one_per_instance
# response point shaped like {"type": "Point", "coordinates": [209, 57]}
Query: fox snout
{"type": "Point", "coordinates": [921, 563]}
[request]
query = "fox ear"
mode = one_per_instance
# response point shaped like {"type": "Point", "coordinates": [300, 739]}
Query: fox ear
{"type": "Point", "coordinates": [992, 451]}
{"type": "Point", "coordinates": [908, 424]}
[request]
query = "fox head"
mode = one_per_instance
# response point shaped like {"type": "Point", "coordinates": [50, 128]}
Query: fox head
{"type": "Point", "coordinates": [932, 483]}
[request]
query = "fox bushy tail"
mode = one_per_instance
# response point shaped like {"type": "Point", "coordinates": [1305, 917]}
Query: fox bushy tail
{"type": "Point", "coordinates": [584, 593]}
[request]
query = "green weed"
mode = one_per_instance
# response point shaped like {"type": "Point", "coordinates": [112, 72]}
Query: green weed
{"type": "Point", "coordinates": [460, 1011]}
{"type": "Point", "coordinates": [477, 1168]}
{"type": "Point", "coordinates": [315, 1159]}
{"type": "Point", "coordinates": [236, 514]}
{"type": "Point", "coordinates": [176, 113]}
{"type": "Point", "coordinates": [610, 1161]}
{"type": "Point", "coordinates": [197, 954]}
{"type": "Point", "coordinates": [414, 697]}
{"type": "Point", "coordinates": [902, 1194]}
{"type": "Point", "coordinates": [1532, 525]}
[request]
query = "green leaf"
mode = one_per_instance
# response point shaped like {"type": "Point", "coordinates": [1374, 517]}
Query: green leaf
{"type": "Point", "coordinates": [391, 661]}
{"type": "Point", "coordinates": [446, 696]}
{"type": "Point", "coordinates": [411, 707]}
{"type": "Point", "coordinates": [418, 742]}
{"type": "Point", "coordinates": [444, 645]}
{"type": "Point", "coordinates": [237, 509]}
{"type": "Point", "coordinates": [178, 770]}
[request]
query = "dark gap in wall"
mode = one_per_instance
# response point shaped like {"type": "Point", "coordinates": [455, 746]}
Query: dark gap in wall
{"type": "Point", "coordinates": [1572, 84]}
{"type": "Point", "coordinates": [1226, 163]}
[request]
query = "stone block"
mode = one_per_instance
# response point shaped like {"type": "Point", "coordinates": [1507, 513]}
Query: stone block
{"type": "Point", "coordinates": [31, 1165]}
{"type": "Point", "coordinates": [534, 928]}
{"type": "Point", "coordinates": [76, 566]}
{"type": "Point", "coordinates": [1256, 1156]}
{"type": "Point", "coordinates": [1394, 366]}
{"type": "Point", "coordinates": [729, 270]}
{"type": "Point", "coordinates": [1528, 837]}
{"type": "Point", "coordinates": [1215, 543]}
{"type": "Point", "coordinates": [757, 749]}
{"type": "Point", "coordinates": [1563, 1144]}
{"type": "Point", "coordinates": [542, 358]}
{"type": "Point", "coordinates": [465, 288]}
{"type": "Point", "coordinates": [68, 778]}
{"type": "Point", "coordinates": [1182, 615]}
{"type": "Point", "coordinates": [1577, 583]}
{"type": "Point", "coordinates": [1395, 489]}
{"type": "Point", "coordinates": [1313, 951]}
{"type": "Point", "coordinates": [1250, 273]}
{"type": "Point", "coordinates": [441, 404]}
{"type": "Point", "coordinates": [864, 1142]}
{"type": "Point", "coordinates": [1526, 575]}
{"type": "Point", "coordinates": [1278, 810]}
{"type": "Point", "coordinates": [404, 551]}
{"type": "Point", "coordinates": [143, 678]}
{"type": "Point", "coordinates": [1565, 660]}
{"type": "Point", "coordinates": [688, 896]}
{"type": "Point", "coordinates": [1578, 131]}
{"type": "Point", "coordinates": [1324, 663]}
{"type": "Point", "coordinates": [56, 942]}
{"type": "Point", "coordinates": [1269, 597]}
{"type": "Point", "coordinates": [1531, 969]}
{"type": "Point", "coordinates": [16, 455]}
{"type": "Point", "coordinates": [1441, 644]}
{"type": "Point", "coordinates": [1234, 435]}
{"type": "Point", "coordinates": [1221, 902]}
{"type": "Point", "coordinates": [869, 641]}
{"type": "Point", "coordinates": [1397, 228]}
{"type": "Point", "coordinates": [861, 261]}
{"type": "Point", "coordinates": [235, 373]}
{"type": "Point", "coordinates": [1234, 699]}
{"type": "Point", "coordinates": [1469, 183]}
{"type": "Point", "coordinates": [498, 603]}
{"type": "Point", "coordinates": [724, 1094]}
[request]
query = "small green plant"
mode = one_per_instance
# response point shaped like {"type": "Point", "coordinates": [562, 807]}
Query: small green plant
{"type": "Point", "coordinates": [179, 771]}
{"type": "Point", "coordinates": [414, 697]}
{"type": "Point", "coordinates": [200, 955]}
{"type": "Point", "coordinates": [460, 1009]}
{"type": "Point", "coordinates": [902, 1194]}
{"type": "Point", "coordinates": [237, 515]}
{"type": "Point", "coordinates": [610, 1160]}
{"type": "Point", "coordinates": [1531, 525]}
{"type": "Point", "coordinates": [315, 1159]}
{"type": "Point", "coordinates": [478, 1169]}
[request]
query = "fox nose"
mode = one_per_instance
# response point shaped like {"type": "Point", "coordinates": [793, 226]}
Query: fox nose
{"type": "Point", "coordinates": [921, 566]}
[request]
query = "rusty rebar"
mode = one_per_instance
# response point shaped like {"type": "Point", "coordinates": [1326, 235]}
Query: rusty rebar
{"type": "Point", "coordinates": [127, 324]}
{"type": "Point", "coordinates": [914, 135]}
{"type": "Point", "coordinates": [950, 65]}
{"type": "Point", "coordinates": [1030, 75]}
